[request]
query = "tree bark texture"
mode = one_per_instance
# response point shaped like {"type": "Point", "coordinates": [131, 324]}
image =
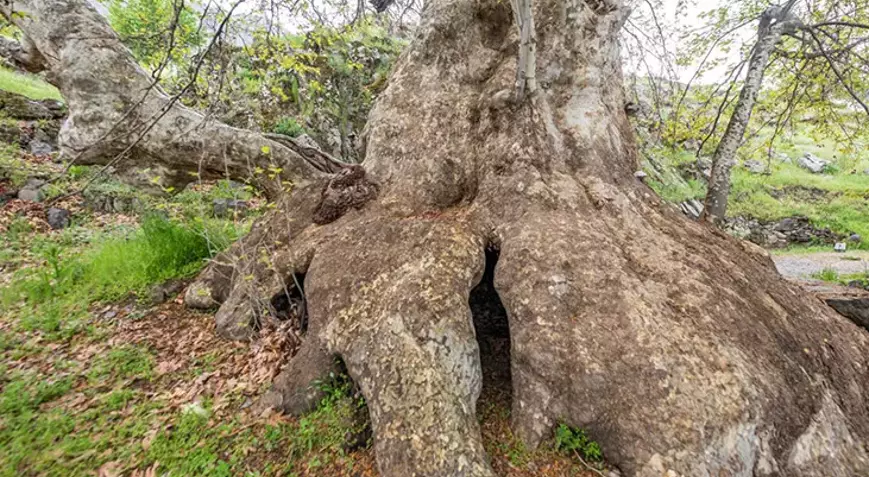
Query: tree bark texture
{"type": "Point", "coordinates": [679, 349]}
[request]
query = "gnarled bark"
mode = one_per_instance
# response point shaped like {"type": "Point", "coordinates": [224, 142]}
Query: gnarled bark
{"type": "Point", "coordinates": [679, 349]}
{"type": "Point", "coordinates": [116, 109]}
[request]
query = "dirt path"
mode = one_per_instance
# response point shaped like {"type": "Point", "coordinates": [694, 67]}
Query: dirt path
{"type": "Point", "coordinates": [805, 265]}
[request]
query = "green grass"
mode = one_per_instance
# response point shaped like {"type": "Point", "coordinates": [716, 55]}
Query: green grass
{"type": "Point", "coordinates": [27, 85]}
{"type": "Point", "coordinates": [54, 297]}
{"type": "Point", "coordinates": [842, 203]}
{"type": "Point", "coordinates": [844, 207]}
{"type": "Point", "coordinates": [827, 275]}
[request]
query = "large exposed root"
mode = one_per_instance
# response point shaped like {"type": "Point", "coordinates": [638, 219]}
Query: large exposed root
{"type": "Point", "coordinates": [401, 323]}
{"type": "Point", "coordinates": [664, 346]}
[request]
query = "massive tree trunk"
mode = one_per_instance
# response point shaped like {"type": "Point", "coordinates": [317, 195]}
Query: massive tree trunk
{"type": "Point", "coordinates": [679, 349]}
{"type": "Point", "coordinates": [774, 22]}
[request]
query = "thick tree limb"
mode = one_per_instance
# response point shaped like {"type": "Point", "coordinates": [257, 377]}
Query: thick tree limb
{"type": "Point", "coordinates": [118, 115]}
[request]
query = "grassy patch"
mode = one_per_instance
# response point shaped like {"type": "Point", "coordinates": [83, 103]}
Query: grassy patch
{"type": "Point", "coordinates": [838, 200]}
{"type": "Point", "coordinates": [27, 85]}
{"type": "Point", "coordinates": [53, 298]}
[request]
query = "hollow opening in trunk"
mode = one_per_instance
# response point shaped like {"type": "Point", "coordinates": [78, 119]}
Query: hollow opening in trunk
{"type": "Point", "coordinates": [493, 335]}
{"type": "Point", "coordinates": [289, 303]}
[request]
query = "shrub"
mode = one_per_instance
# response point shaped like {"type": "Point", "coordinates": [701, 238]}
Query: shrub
{"type": "Point", "coordinates": [571, 440]}
{"type": "Point", "coordinates": [288, 126]}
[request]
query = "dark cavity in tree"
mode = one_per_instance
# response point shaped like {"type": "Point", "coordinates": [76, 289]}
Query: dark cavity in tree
{"type": "Point", "coordinates": [290, 303]}
{"type": "Point", "coordinates": [493, 334]}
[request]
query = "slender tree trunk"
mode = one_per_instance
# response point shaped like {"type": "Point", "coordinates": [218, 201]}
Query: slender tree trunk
{"type": "Point", "coordinates": [679, 349]}
{"type": "Point", "coordinates": [769, 33]}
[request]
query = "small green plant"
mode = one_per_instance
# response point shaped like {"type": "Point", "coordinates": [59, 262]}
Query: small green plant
{"type": "Point", "coordinates": [570, 440]}
{"type": "Point", "coordinates": [827, 275]}
{"type": "Point", "coordinates": [288, 126]}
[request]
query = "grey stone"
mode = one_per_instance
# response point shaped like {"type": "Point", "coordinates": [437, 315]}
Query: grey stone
{"type": "Point", "coordinates": [165, 291]}
{"type": "Point", "coordinates": [199, 297]}
{"type": "Point", "coordinates": [692, 208]}
{"type": "Point", "coordinates": [31, 195]}
{"type": "Point", "coordinates": [40, 148]}
{"type": "Point", "coordinates": [856, 238]}
{"type": "Point", "coordinates": [229, 207]}
{"type": "Point", "coordinates": [857, 284]}
{"type": "Point", "coordinates": [640, 175]}
{"type": "Point", "coordinates": [58, 218]}
{"type": "Point", "coordinates": [783, 158]}
{"type": "Point", "coordinates": [812, 163]}
{"type": "Point", "coordinates": [34, 183]}
{"type": "Point", "coordinates": [755, 167]}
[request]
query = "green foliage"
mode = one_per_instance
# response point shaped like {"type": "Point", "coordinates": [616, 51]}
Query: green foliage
{"type": "Point", "coordinates": [28, 85]}
{"type": "Point", "coordinates": [192, 447]}
{"type": "Point", "coordinates": [571, 440]}
{"type": "Point", "coordinates": [827, 275]}
{"type": "Point", "coordinates": [289, 127]}
{"type": "Point", "coordinates": [148, 27]}
{"type": "Point", "coordinates": [56, 295]}
{"type": "Point", "coordinates": [324, 79]}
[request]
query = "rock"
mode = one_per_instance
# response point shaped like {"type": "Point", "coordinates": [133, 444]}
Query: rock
{"type": "Point", "coordinates": [21, 107]}
{"type": "Point", "coordinates": [790, 230]}
{"type": "Point", "coordinates": [10, 133]}
{"type": "Point", "coordinates": [857, 284]}
{"type": "Point", "coordinates": [856, 238]}
{"type": "Point", "coordinates": [640, 175]}
{"type": "Point", "coordinates": [229, 207]}
{"type": "Point", "coordinates": [165, 291]}
{"type": "Point", "coordinates": [840, 247]}
{"type": "Point", "coordinates": [850, 302]}
{"type": "Point", "coordinates": [198, 296]}
{"type": "Point", "coordinates": [58, 218]}
{"type": "Point", "coordinates": [783, 158]}
{"type": "Point", "coordinates": [755, 167]}
{"type": "Point", "coordinates": [692, 208]}
{"type": "Point", "coordinates": [41, 148]}
{"type": "Point", "coordinates": [34, 183]}
{"type": "Point", "coordinates": [855, 309]}
{"type": "Point", "coordinates": [812, 163]}
{"type": "Point", "coordinates": [31, 195]}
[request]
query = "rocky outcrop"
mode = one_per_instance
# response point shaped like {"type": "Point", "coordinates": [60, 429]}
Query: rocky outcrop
{"type": "Point", "coordinates": [780, 234]}
{"type": "Point", "coordinates": [22, 107]}
{"type": "Point", "coordinates": [850, 302]}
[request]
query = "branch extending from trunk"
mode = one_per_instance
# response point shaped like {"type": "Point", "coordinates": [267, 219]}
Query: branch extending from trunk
{"type": "Point", "coordinates": [120, 116]}
{"type": "Point", "coordinates": [526, 70]}
{"type": "Point", "coordinates": [836, 71]}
